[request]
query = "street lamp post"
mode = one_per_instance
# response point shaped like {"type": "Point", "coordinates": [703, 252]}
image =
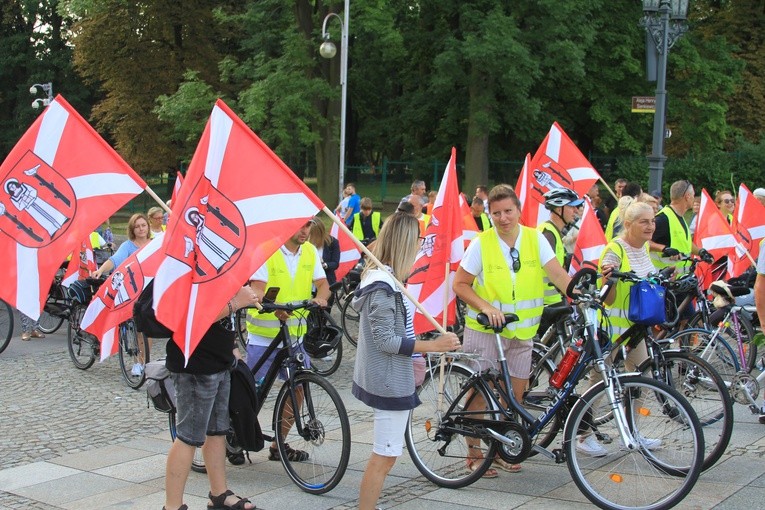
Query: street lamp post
{"type": "Point", "coordinates": [47, 88]}
{"type": "Point", "coordinates": [656, 19]}
{"type": "Point", "coordinates": [328, 50]}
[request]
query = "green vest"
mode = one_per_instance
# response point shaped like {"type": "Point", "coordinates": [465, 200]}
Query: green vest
{"type": "Point", "coordinates": [525, 298]}
{"type": "Point", "coordinates": [680, 239]}
{"type": "Point", "coordinates": [617, 312]}
{"type": "Point", "coordinates": [95, 240]}
{"type": "Point", "coordinates": [297, 289]}
{"type": "Point", "coordinates": [611, 224]}
{"type": "Point", "coordinates": [358, 232]}
{"type": "Point", "coordinates": [485, 223]}
{"type": "Point", "coordinates": [552, 296]}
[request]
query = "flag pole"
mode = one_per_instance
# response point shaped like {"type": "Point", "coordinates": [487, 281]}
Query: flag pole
{"type": "Point", "coordinates": [341, 225]}
{"type": "Point", "coordinates": [161, 202]}
{"type": "Point", "coordinates": [442, 363]}
{"type": "Point", "coordinates": [600, 177]}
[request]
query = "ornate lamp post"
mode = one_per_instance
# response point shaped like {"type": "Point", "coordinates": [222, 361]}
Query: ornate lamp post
{"type": "Point", "coordinates": [328, 50]}
{"type": "Point", "coordinates": [656, 20]}
{"type": "Point", "coordinates": [47, 88]}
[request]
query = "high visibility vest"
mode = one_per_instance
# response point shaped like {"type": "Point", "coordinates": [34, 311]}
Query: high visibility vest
{"type": "Point", "coordinates": [485, 222]}
{"type": "Point", "coordinates": [680, 239]}
{"type": "Point", "coordinates": [611, 224]}
{"type": "Point", "coordinates": [525, 297]}
{"type": "Point", "coordinates": [552, 296]}
{"type": "Point", "coordinates": [424, 224]}
{"type": "Point", "coordinates": [95, 240]}
{"type": "Point", "coordinates": [358, 232]}
{"type": "Point", "coordinates": [617, 312]}
{"type": "Point", "coordinates": [299, 288]}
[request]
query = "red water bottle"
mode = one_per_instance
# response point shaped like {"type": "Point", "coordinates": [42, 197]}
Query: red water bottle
{"type": "Point", "coordinates": [566, 364]}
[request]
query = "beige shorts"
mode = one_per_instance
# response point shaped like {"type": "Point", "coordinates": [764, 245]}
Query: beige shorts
{"type": "Point", "coordinates": [517, 352]}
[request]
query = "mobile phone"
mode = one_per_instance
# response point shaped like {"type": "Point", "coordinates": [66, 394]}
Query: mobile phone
{"type": "Point", "coordinates": [270, 295]}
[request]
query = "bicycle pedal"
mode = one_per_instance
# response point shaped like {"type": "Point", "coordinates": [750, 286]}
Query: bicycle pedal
{"type": "Point", "coordinates": [560, 456]}
{"type": "Point", "coordinates": [603, 438]}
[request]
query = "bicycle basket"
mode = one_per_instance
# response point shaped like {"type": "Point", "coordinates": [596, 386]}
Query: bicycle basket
{"type": "Point", "coordinates": [319, 341]}
{"type": "Point", "coordinates": [80, 291]}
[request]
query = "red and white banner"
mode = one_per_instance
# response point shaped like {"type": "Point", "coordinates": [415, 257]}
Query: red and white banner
{"type": "Point", "coordinates": [349, 252]}
{"type": "Point", "coordinates": [714, 235]}
{"type": "Point", "coordinates": [469, 226]}
{"type": "Point", "coordinates": [81, 264]}
{"type": "Point", "coordinates": [238, 205]}
{"type": "Point", "coordinates": [749, 228]}
{"type": "Point", "coordinates": [590, 242]}
{"type": "Point", "coordinates": [558, 163]}
{"type": "Point", "coordinates": [176, 187]}
{"type": "Point", "coordinates": [113, 303]}
{"type": "Point", "coordinates": [60, 182]}
{"type": "Point", "coordinates": [432, 275]}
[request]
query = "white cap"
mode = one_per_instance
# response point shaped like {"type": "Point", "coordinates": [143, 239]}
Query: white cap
{"type": "Point", "coordinates": [759, 192]}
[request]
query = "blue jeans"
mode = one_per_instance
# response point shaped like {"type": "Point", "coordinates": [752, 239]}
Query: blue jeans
{"type": "Point", "coordinates": [202, 403]}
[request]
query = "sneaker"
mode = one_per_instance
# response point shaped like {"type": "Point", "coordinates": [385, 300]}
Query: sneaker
{"type": "Point", "coordinates": [137, 369]}
{"type": "Point", "coordinates": [762, 414]}
{"type": "Point", "coordinates": [589, 445]}
{"type": "Point", "coordinates": [646, 442]}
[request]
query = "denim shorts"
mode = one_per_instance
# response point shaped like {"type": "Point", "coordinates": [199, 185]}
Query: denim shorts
{"type": "Point", "coordinates": [202, 402]}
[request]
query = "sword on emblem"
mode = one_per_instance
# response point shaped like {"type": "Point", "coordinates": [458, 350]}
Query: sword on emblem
{"type": "Point", "coordinates": [56, 193]}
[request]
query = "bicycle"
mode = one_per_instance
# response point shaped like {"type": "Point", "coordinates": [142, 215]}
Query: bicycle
{"type": "Point", "coordinates": [320, 322]}
{"type": "Point", "coordinates": [134, 349]}
{"type": "Point", "coordinates": [6, 325]}
{"type": "Point", "coordinates": [83, 347]}
{"type": "Point", "coordinates": [53, 312]}
{"type": "Point", "coordinates": [485, 410]}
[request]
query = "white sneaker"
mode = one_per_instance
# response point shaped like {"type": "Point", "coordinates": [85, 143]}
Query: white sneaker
{"type": "Point", "coordinates": [646, 442]}
{"type": "Point", "coordinates": [589, 445]}
{"type": "Point", "coordinates": [137, 369]}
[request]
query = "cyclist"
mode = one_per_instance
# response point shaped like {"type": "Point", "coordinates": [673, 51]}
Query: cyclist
{"type": "Point", "coordinates": [563, 205]}
{"type": "Point", "coordinates": [383, 376]}
{"type": "Point", "coordinates": [503, 271]}
{"type": "Point", "coordinates": [295, 268]}
{"type": "Point", "coordinates": [366, 224]}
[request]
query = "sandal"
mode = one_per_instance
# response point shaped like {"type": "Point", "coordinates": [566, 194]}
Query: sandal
{"type": "Point", "coordinates": [489, 473]}
{"type": "Point", "coordinates": [38, 334]}
{"type": "Point", "coordinates": [182, 507]}
{"type": "Point", "coordinates": [292, 455]}
{"type": "Point", "coordinates": [506, 466]}
{"type": "Point", "coordinates": [219, 502]}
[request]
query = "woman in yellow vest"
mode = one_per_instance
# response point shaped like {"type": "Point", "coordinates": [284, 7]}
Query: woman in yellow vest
{"type": "Point", "coordinates": [502, 272]}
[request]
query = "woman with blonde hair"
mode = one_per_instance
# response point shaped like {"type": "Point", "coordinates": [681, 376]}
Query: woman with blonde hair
{"type": "Point", "coordinates": [156, 217]}
{"type": "Point", "coordinates": [383, 376]}
{"type": "Point", "coordinates": [327, 246]}
{"type": "Point", "coordinates": [726, 203]}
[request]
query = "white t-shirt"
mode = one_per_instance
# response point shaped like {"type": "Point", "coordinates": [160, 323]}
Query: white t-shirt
{"type": "Point", "coordinates": [261, 275]}
{"type": "Point", "coordinates": [761, 260]}
{"type": "Point", "coordinates": [342, 207]}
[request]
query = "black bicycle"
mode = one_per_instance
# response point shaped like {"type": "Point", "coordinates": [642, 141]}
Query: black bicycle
{"type": "Point", "coordinates": [6, 324]}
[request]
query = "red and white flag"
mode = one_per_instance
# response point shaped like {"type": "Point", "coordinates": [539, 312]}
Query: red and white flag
{"type": "Point", "coordinates": [113, 303]}
{"type": "Point", "coordinates": [349, 252]}
{"type": "Point", "coordinates": [469, 226]}
{"type": "Point", "coordinates": [238, 205]}
{"type": "Point", "coordinates": [590, 242]}
{"type": "Point", "coordinates": [432, 275]}
{"type": "Point", "coordinates": [60, 182]}
{"type": "Point", "coordinates": [81, 264]}
{"type": "Point", "coordinates": [558, 163]}
{"type": "Point", "coordinates": [714, 235]}
{"type": "Point", "coordinates": [177, 187]}
{"type": "Point", "coordinates": [749, 228]}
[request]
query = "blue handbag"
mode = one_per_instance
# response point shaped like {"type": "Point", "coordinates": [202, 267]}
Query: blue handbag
{"type": "Point", "coordinates": [647, 303]}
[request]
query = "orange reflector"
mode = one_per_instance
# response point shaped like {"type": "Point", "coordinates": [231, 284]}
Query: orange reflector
{"type": "Point", "coordinates": [643, 411]}
{"type": "Point", "coordinates": [616, 478]}
{"type": "Point", "coordinates": [427, 426]}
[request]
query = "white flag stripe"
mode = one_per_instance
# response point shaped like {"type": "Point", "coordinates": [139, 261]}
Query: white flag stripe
{"type": "Point", "coordinates": [757, 232]}
{"type": "Point", "coordinates": [94, 310]}
{"type": "Point", "coordinates": [469, 234]}
{"type": "Point", "coordinates": [349, 255]}
{"type": "Point", "coordinates": [553, 144]}
{"type": "Point", "coordinates": [149, 250]}
{"type": "Point", "coordinates": [190, 320]}
{"type": "Point", "coordinates": [28, 291]}
{"type": "Point", "coordinates": [583, 173]}
{"type": "Point", "coordinates": [169, 271]}
{"type": "Point", "coordinates": [107, 343]}
{"type": "Point", "coordinates": [592, 253]}
{"type": "Point", "coordinates": [103, 183]}
{"type": "Point", "coordinates": [717, 242]}
{"type": "Point", "coordinates": [51, 128]}
{"type": "Point", "coordinates": [279, 206]}
{"type": "Point", "coordinates": [220, 129]}
{"type": "Point", "coordinates": [457, 250]}
{"type": "Point", "coordinates": [434, 303]}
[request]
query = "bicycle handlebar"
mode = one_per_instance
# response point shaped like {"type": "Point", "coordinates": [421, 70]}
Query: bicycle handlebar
{"type": "Point", "coordinates": [305, 304]}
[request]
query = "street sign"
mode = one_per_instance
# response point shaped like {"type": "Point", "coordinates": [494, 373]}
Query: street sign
{"type": "Point", "coordinates": [643, 104]}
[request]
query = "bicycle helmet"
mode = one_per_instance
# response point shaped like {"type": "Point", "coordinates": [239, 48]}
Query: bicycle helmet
{"type": "Point", "coordinates": [685, 285]}
{"type": "Point", "coordinates": [80, 291]}
{"type": "Point", "coordinates": [559, 197]}
{"type": "Point", "coordinates": [319, 341]}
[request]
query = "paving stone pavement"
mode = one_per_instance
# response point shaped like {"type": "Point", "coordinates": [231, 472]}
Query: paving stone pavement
{"type": "Point", "coordinates": [72, 439]}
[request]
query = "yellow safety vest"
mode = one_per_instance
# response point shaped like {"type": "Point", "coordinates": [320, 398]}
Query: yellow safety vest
{"type": "Point", "coordinates": [680, 239]}
{"type": "Point", "coordinates": [525, 298]}
{"type": "Point", "coordinates": [552, 296]}
{"type": "Point", "coordinates": [611, 223]}
{"type": "Point", "coordinates": [617, 312]}
{"type": "Point", "coordinates": [358, 232]}
{"type": "Point", "coordinates": [95, 240]}
{"type": "Point", "coordinates": [299, 288]}
{"type": "Point", "coordinates": [485, 223]}
{"type": "Point", "coordinates": [424, 223]}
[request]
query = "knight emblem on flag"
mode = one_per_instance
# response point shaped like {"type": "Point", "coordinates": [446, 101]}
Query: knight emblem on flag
{"type": "Point", "coordinates": [36, 205]}
{"type": "Point", "coordinates": [124, 286]}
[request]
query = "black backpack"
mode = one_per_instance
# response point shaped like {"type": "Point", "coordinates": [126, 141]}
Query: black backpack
{"type": "Point", "coordinates": [242, 408]}
{"type": "Point", "coordinates": [143, 315]}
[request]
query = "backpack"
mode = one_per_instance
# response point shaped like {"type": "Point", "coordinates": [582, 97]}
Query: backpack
{"type": "Point", "coordinates": [159, 386]}
{"type": "Point", "coordinates": [143, 315]}
{"type": "Point", "coordinates": [242, 408]}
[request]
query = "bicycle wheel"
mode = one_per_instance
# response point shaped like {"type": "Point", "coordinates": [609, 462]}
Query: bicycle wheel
{"type": "Point", "coordinates": [705, 390]}
{"type": "Point", "coordinates": [713, 349]}
{"type": "Point", "coordinates": [436, 445]}
{"type": "Point", "coordinates": [325, 433]}
{"type": "Point", "coordinates": [536, 399]}
{"type": "Point", "coordinates": [6, 324]}
{"type": "Point", "coordinates": [664, 466]}
{"type": "Point", "coordinates": [131, 344]}
{"type": "Point", "coordinates": [349, 320]}
{"type": "Point", "coordinates": [198, 464]}
{"type": "Point", "coordinates": [329, 364]}
{"type": "Point", "coordinates": [241, 332]}
{"type": "Point", "coordinates": [48, 322]}
{"type": "Point", "coordinates": [83, 347]}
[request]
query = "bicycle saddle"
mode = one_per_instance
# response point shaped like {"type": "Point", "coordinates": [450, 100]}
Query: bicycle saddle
{"type": "Point", "coordinates": [483, 320]}
{"type": "Point", "coordinates": [554, 313]}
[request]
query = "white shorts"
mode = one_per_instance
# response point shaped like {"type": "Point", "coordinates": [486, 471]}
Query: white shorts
{"type": "Point", "coordinates": [389, 432]}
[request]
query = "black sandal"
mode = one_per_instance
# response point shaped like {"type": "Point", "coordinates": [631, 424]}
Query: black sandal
{"type": "Point", "coordinates": [182, 507]}
{"type": "Point", "coordinates": [219, 502]}
{"type": "Point", "coordinates": [292, 455]}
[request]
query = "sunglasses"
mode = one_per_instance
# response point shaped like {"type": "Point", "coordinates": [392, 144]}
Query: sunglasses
{"type": "Point", "coordinates": [728, 200]}
{"type": "Point", "coordinates": [516, 258]}
{"type": "Point", "coordinates": [687, 187]}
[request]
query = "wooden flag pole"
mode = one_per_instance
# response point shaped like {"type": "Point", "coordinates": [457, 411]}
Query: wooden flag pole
{"type": "Point", "coordinates": [161, 203]}
{"type": "Point", "coordinates": [608, 188]}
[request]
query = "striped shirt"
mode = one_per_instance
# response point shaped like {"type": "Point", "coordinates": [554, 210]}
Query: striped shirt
{"type": "Point", "coordinates": [638, 258]}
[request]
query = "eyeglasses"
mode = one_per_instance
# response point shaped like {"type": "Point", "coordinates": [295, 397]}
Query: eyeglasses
{"type": "Point", "coordinates": [516, 258]}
